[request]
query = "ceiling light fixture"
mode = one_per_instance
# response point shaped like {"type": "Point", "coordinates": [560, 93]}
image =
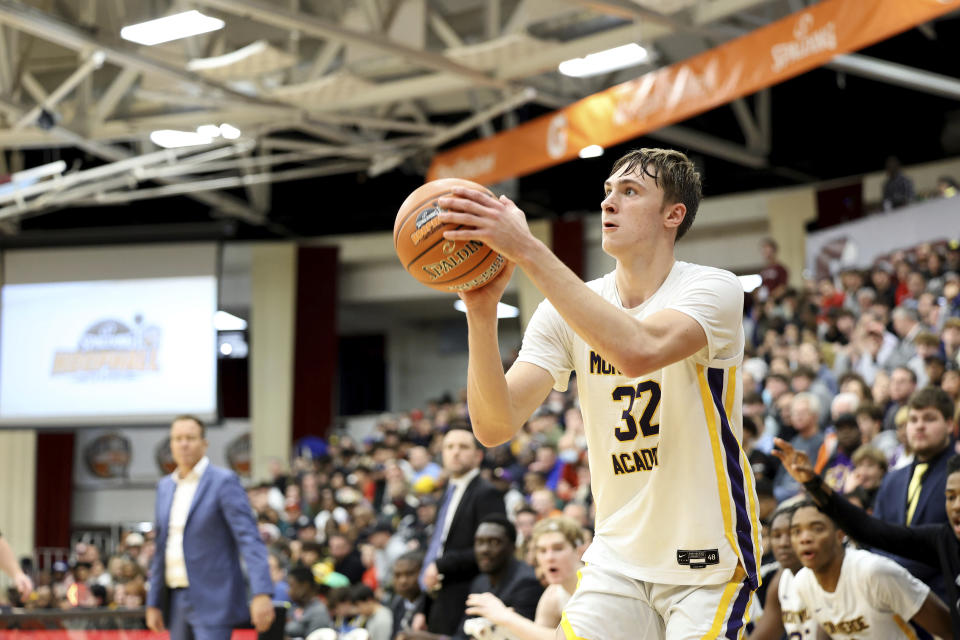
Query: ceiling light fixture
{"type": "Point", "coordinates": [229, 131]}
{"type": "Point", "coordinates": [591, 151]}
{"type": "Point", "coordinates": [614, 59]}
{"type": "Point", "coordinates": [223, 321]}
{"type": "Point", "coordinates": [503, 310]}
{"type": "Point", "coordinates": [173, 27]}
{"type": "Point", "coordinates": [172, 139]}
{"type": "Point", "coordinates": [205, 134]}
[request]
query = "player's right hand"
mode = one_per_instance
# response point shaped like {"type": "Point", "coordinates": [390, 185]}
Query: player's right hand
{"type": "Point", "coordinates": [154, 619]}
{"type": "Point", "coordinates": [797, 463]}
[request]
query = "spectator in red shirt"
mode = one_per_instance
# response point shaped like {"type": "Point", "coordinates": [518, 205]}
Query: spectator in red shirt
{"type": "Point", "coordinates": [774, 274]}
{"type": "Point", "coordinates": [830, 298]}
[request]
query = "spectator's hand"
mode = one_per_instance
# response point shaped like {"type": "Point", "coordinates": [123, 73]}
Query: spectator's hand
{"type": "Point", "coordinates": [487, 605]}
{"type": "Point", "coordinates": [854, 480]}
{"type": "Point", "coordinates": [261, 612]}
{"type": "Point", "coordinates": [431, 577]}
{"type": "Point", "coordinates": [419, 622]}
{"type": "Point", "coordinates": [155, 619]}
{"type": "Point", "coordinates": [797, 463]}
{"type": "Point", "coordinates": [24, 585]}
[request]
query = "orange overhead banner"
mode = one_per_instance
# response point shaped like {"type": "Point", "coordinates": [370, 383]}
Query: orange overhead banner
{"type": "Point", "coordinates": [798, 43]}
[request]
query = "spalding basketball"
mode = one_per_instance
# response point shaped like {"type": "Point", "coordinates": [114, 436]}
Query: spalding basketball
{"type": "Point", "coordinates": [443, 264]}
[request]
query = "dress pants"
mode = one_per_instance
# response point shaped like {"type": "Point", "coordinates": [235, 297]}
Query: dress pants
{"type": "Point", "coordinates": [181, 623]}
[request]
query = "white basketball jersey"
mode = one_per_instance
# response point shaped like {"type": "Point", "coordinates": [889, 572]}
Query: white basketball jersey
{"type": "Point", "coordinates": [875, 598]}
{"type": "Point", "coordinates": [673, 488]}
{"type": "Point", "coordinates": [797, 622]}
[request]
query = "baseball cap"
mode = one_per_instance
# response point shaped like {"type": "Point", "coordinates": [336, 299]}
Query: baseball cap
{"type": "Point", "coordinates": [133, 539]}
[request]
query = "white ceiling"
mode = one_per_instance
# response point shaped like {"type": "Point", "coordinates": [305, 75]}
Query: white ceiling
{"type": "Point", "coordinates": [318, 87]}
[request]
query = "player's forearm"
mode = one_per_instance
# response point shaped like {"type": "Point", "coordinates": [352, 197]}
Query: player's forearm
{"type": "Point", "coordinates": [8, 560]}
{"type": "Point", "coordinates": [524, 628]}
{"type": "Point", "coordinates": [617, 336]}
{"type": "Point", "coordinates": [488, 397]}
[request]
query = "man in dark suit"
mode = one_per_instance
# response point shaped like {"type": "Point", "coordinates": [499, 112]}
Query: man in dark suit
{"type": "Point", "coordinates": [204, 525]}
{"type": "Point", "coordinates": [504, 581]}
{"type": "Point", "coordinates": [408, 600]}
{"type": "Point", "coordinates": [913, 495]}
{"type": "Point", "coordinates": [450, 563]}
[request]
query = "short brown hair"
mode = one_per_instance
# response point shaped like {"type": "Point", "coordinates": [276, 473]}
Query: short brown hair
{"type": "Point", "coordinates": [868, 452]}
{"type": "Point", "coordinates": [673, 172]}
{"type": "Point", "coordinates": [190, 416]}
{"type": "Point", "coordinates": [563, 525]}
{"type": "Point", "coordinates": [932, 398]}
{"type": "Point", "coordinates": [927, 339]}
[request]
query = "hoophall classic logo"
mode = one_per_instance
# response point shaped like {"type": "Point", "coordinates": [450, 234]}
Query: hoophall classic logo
{"type": "Point", "coordinates": [111, 349]}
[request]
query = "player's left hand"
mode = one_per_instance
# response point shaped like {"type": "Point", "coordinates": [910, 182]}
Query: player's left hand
{"type": "Point", "coordinates": [261, 612]}
{"type": "Point", "coordinates": [497, 222]}
{"type": "Point", "coordinates": [487, 605]}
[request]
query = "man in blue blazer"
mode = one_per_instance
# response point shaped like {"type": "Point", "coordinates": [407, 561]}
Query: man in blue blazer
{"type": "Point", "coordinates": [204, 525]}
{"type": "Point", "coordinates": [913, 495]}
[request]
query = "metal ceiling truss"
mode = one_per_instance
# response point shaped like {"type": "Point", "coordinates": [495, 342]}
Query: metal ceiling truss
{"type": "Point", "coordinates": [365, 85]}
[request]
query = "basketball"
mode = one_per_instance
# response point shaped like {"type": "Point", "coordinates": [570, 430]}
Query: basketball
{"type": "Point", "coordinates": [441, 264]}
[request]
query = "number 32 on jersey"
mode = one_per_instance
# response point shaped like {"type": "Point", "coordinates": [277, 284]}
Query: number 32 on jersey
{"type": "Point", "coordinates": [640, 404]}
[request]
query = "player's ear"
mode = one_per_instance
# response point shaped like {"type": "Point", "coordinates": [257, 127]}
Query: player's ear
{"type": "Point", "coordinates": [841, 536]}
{"type": "Point", "coordinates": [674, 214]}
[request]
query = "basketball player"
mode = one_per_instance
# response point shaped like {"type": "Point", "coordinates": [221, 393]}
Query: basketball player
{"type": "Point", "coordinates": [853, 593]}
{"type": "Point", "coordinates": [657, 346]}
{"type": "Point", "coordinates": [783, 612]}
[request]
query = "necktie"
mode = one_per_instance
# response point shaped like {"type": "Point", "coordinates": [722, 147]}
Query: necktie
{"type": "Point", "coordinates": [433, 549]}
{"type": "Point", "coordinates": [913, 490]}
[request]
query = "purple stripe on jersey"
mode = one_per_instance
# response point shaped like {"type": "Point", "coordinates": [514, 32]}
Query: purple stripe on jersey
{"type": "Point", "coordinates": [735, 621]}
{"type": "Point", "coordinates": [731, 450]}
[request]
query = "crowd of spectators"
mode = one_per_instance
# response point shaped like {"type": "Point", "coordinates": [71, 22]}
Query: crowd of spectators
{"type": "Point", "coordinates": [830, 366]}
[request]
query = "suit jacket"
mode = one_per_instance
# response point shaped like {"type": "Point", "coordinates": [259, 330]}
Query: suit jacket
{"type": "Point", "coordinates": [519, 589]}
{"type": "Point", "coordinates": [890, 506]}
{"type": "Point", "coordinates": [220, 529]}
{"type": "Point", "coordinates": [457, 564]}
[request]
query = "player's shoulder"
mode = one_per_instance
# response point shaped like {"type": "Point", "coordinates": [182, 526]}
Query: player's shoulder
{"type": "Point", "coordinates": [866, 564]}
{"type": "Point", "coordinates": [690, 271]}
{"type": "Point", "coordinates": [802, 579]}
{"type": "Point", "coordinates": [604, 284]}
{"type": "Point", "coordinates": [783, 578]}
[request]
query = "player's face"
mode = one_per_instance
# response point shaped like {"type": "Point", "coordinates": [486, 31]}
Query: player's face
{"type": "Point", "coordinates": [632, 212]}
{"type": "Point", "coordinates": [953, 501]}
{"type": "Point", "coordinates": [928, 432]}
{"type": "Point", "coordinates": [492, 548]}
{"type": "Point", "coordinates": [556, 557]}
{"type": "Point", "coordinates": [187, 444]}
{"type": "Point", "coordinates": [780, 542]}
{"type": "Point", "coordinates": [460, 453]}
{"type": "Point", "coordinates": [814, 537]}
